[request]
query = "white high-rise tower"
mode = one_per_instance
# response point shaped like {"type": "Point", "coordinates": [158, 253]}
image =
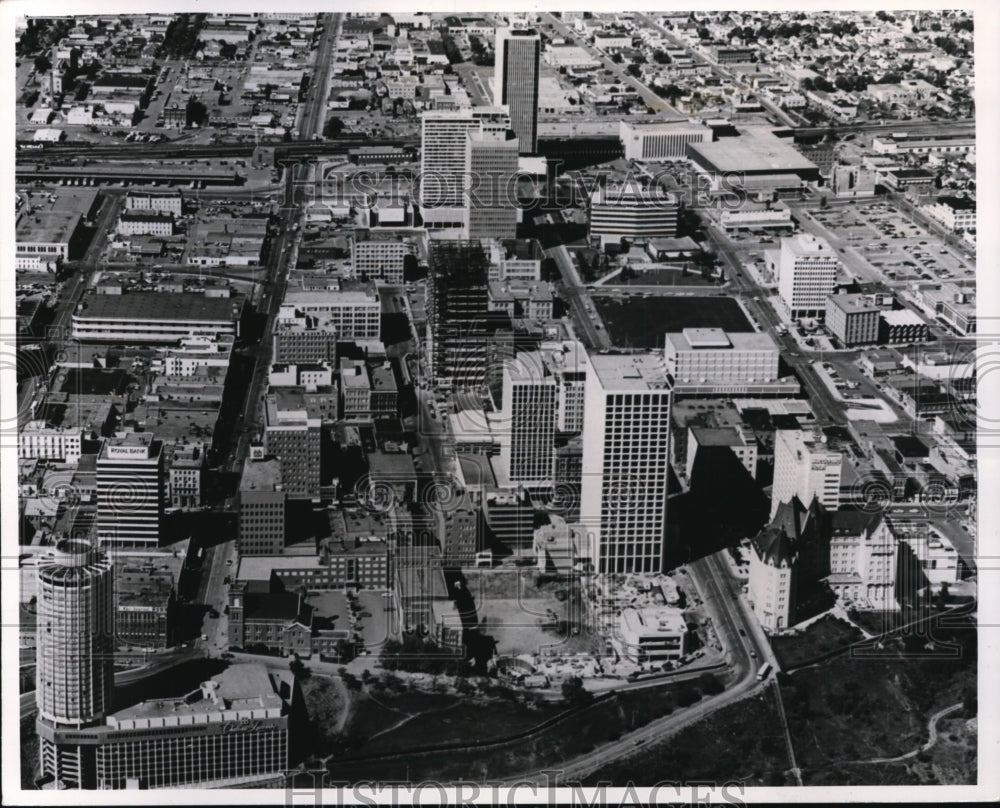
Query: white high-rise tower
{"type": "Point", "coordinates": [626, 462]}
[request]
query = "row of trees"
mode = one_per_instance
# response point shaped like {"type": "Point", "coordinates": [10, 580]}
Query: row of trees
{"type": "Point", "coordinates": [181, 39]}
{"type": "Point", "coordinates": [421, 655]}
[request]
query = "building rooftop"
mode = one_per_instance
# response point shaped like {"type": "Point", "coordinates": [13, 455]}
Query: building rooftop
{"type": "Point", "coordinates": [717, 436]}
{"type": "Point", "coordinates": [754, 151]}
{"type": "Point", "coordinates": [383, 378]}
{"type": "Point", "coordinates": [261, 475]}
{"type": "Point", "coordinates": [392, 467]}
{"type": "Point", "coordinates": [853, 304]}
{"type": "Point", "coordinates": [159, 306]}
{"type": "Point", "coordinates": [353, 374]}
{"type": "Point", "coordinates": [131, 445]}
{"type": "Point", "coordinates": [653, 620]}
{"type": "Point", "coordinates": [902, 317]}
{"type": "Point", "coordinates": [957, 202]}
{"type": "Point", "coordinates": [719, 339]}
{"type": "Point", "coordinates": [143, 586]}
{"type": "Point", "coordinates": [630, 372]}
{"type": "Point", "coordinates": [806, 244]}
{"type": "Point", "coordinates": [273, 606]}
{"type": "Point", "coordinates": [241, 687]}
{"type": "Point", "coordinates": [49, 226]}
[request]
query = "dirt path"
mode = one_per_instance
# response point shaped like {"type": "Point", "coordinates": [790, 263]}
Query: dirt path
{"type": "Point", "coordinates": [932, 738]}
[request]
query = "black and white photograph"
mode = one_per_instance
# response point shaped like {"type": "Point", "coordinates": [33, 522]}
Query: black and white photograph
{"type": "Point", "coordinates": [476, 406]}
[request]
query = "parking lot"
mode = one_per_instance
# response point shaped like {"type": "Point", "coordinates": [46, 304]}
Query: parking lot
{"type": "Point", "coordinates": [892, 243]}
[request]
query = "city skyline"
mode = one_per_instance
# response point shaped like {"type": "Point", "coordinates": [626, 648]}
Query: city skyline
{"type": "Point", "coordinates": [459, 397]}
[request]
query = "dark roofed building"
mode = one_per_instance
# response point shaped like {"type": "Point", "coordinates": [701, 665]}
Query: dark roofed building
{"type": "Point", "coordinates": [789, 558]}
{"type": "Point", "coordinates": [280, 622]}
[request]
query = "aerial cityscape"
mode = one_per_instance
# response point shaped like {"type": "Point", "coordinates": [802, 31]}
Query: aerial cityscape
{"type": "Point", "coordinates": [564, 399]}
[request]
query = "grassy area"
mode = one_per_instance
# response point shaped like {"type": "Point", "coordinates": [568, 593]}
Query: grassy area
{"type": "Point", "coordinates": [325, 704]}
{"type": "Point", "coordinates": [826, 634]}
{"type": "Point", "coordinates": [641, 322]}
{"type": "Point", "coordinates": [742, 742]}
{"type": "Point", "coordinates": [604, 720]}
{"type": "Point", "coordinates": [841, 714]}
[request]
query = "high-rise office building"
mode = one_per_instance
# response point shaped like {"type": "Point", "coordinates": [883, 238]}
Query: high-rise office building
{"type": "Point", "coordinates": [444, 182]}
{"type": "Point", "coordinates": [528, 421]}
{"type": "Point", "coordinates": [262, 508]}
{"type": "Point", "coordinates": [292, 433]}
{"type": "Point", "coordinates": [75, 653]}
{"type": "Point", "coordinates": [807, 274]}
{"type": "Point", "coordinates": [626, 462]}
{"type": "Point", "coordinates": [491, 165]}
{"type": "Point", "coordinates": [130, 491]}
{"type": "Point", "coordinates": [461, 328]}
{"type": "Point", "coordinates": [804, 467]}
{"type": "Point", "coordinates": [515, 82]}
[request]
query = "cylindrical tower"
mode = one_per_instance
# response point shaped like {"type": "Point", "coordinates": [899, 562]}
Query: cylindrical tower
{"type": "Point", "coordinates": [75, 672]}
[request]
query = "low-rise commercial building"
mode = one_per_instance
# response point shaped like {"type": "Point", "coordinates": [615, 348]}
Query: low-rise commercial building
{"type": "Point", "coordinates": [661, 141]}
{"type": "Point", "coordinates": [155, 317]}
{"type": "Point", "coordinates": [902, 326]}
{"type": "Point", "coordinates": [144, 604]}
{"type": "Point", "coordinates": [233, 730]}
{"type": "Point", "coordinates": [853, 319]}
{"type": "Point", "coordinates": [652, 634]}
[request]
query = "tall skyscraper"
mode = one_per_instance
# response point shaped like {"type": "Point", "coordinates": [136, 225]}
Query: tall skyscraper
{"type": "Point", "coordinates": [75, 653]}
{"type": "Point", "coordinates": [444, 180]}
{"type": "Point", "coordinates": [528, 421]}
{"type": "Point", "coordinates": [461, 330]}
{"type": "Point", "coordinates": [491, 165]}
{"type": "Point", "coordinates": [804, 467]}
{"type": "Point", "coordinates": [807, 274]}
{"type": "Point", "coordinates": [515, 82]}
{"type": "Point", "coordinates": [130, 491]}
{"type": "Point", "coordinates": [626, 462]}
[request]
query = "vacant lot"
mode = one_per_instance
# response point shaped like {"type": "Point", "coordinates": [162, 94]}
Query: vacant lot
{"type": "Point", "coordinates": [528, 613]}
{"type": "Point", "coordinates": [642, 322]}
{"type": "Point", "coordinates": [822, 636]}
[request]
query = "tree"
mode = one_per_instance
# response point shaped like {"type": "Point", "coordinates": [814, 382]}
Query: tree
{"type": "Point", "coordinates": [616, 58]}
{"type": "Point", "coordinates": [687, 695]}
{"type": "Point", "coordinates": [944, 594]}
{"type": "Point", "coordinates": [970, 701]}
{"type": "Point", "coordinates": [196, 113]}
{"type": "Point", "coordinates": [297, 667]}
{"type": "Point", "coordinates": [334, 126]}
{"type": "Point", "coordinates": [709, 684]}
{"type": "Point", "coordinates": [346, 651]}
{"type": "Point", "coordinates": [350, 681]}
{"type": "Point", "coordinates": [550, 270]}
{"type": "Point", "coordinates": [42, 63]}
{"type": "Point", "coordinates": [575, 693]}
{"type": "Point", "coordinates": [634, 70]}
